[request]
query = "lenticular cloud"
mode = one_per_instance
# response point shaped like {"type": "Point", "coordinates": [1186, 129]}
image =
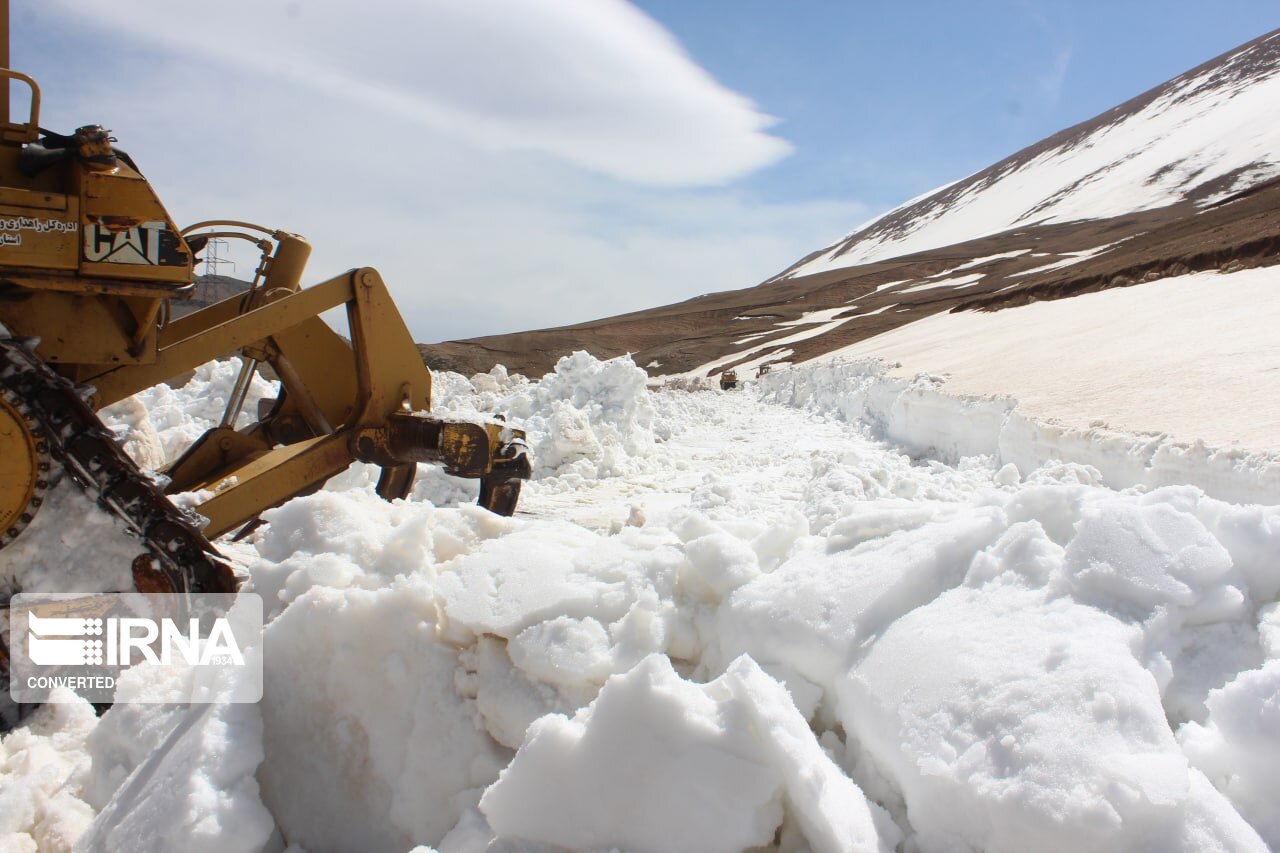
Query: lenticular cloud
{"type": "Point", "coordinates": [600, 85]}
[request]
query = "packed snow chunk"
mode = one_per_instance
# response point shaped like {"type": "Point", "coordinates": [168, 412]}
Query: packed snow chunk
{"type": "Point", "coordinates": [716, 565]}
{"type": "Point", "coordinates": [368, 745]}
{"type": "Point", "coordinates": [877, 519]}
{"type": "Point", "coordinates": [656, 763]}
{"type": "Point", "coordinates": [814, 611]}
{"type": "Point", "coordinates": [354, 538]}
{"type": "Point", "coordinates": [564, 651]}
{"type": "Point", "coordinates": [176, 776]}
{"type": "Point", "coordinates": [383, 539]}
{"type": "Point", "coordinates": [1251, 534]}
{"type": "Point", "coordinates": [1011, 720]}
{"type": "Point", "coordinates": [775, 543]}
{"type": "Point", "coordinates": [509, 700]}
{"type": "Point", "coordinates": [555, 569]}
{"type": "Point", "coordinates": [833, 813]}
{"type": "Point", "coordinates": [43, 771]}
{"type": "Point", "coordinates": [1129, 559]}
{"type": "Point", "coordinates": [1008, 476]}
{"type": "Point", "coordinates": [1024, 556]}
{"type": "Point", "coordinates": [585, 419]}
{"type": "Point", "coordinates": [1053, 504]}
{"type": "Point", "coordinates": [132, 425]}
{"type": "Point", "coordinates": [1239, 747]}
{"type": "Point", "coordinates": [570, 438]}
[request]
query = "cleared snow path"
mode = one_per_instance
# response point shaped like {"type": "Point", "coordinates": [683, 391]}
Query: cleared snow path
{"type": "Point", "coordinates": [719, 622]}
{"type": "Point", "coordinates": [756, 459]}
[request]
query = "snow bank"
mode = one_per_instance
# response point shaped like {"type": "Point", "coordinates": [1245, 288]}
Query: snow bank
{"type": "Point", "coordinates": [1007, 675]}
{"type": "Point", "coordinates": [721, 755]}
{"type": "Point", "coordinates": [1237, 746]}
{"type": "Point", "coordinates": [1014, 723]}
{"type": "Point", "coordinates": [373, 749]}
{"type": "Point", "coordinates": [811, 644]}
{"type": "Point", "coordinates": [43, 771]}
{"type": "Point", "coordinates": [919, 415]}
{"type": "Point", "coordinates": [1201, 363]}
{"type": "Point", "coordinates": [584, 419]}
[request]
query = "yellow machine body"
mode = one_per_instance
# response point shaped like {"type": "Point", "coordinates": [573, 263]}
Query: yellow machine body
{"type": "Point", "coordinates": [90, 264]}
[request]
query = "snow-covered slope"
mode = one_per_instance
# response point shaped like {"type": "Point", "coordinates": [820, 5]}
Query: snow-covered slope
{"type": "Point", "coordinates": [1200, 137]}
{"type": "Point", "coordinates": [1195, 357]}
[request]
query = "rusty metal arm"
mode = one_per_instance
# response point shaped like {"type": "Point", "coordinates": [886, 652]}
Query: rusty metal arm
{"type": "Point", "coordinates": [271, 479]}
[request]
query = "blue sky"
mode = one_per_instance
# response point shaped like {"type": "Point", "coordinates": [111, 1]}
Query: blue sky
{"type": "Point", "coordinates": [884, 101]}
{"type": "Point", "coordinates": [516, 164]}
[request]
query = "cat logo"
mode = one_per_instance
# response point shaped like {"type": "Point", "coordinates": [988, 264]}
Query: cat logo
{"type": "Point", "coordinates": [150, 244]}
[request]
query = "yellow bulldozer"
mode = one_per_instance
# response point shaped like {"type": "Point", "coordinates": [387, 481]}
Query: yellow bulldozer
{"type": "Point", "coordinates": [90, 267]}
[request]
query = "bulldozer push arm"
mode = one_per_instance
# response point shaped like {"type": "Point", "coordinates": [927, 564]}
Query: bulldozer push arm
{"type": "Point", "coordinates": [340, 402]}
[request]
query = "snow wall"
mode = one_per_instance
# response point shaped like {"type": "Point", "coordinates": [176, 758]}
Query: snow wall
{"type": "Point", "coordinates": [925, 420]}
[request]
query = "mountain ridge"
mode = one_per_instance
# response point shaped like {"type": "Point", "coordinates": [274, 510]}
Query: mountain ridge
{"type": "Point", "coordinates": [1181, 215]}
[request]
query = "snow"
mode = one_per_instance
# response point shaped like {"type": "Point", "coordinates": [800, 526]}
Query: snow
{"type": "Point", "coordinates": [585, 417]}
{"type": "Point", "coordinates": [187, 783]}
{"type": "Point", "coordinates": [957, 283]}
{"type": "Point", "coordinates": [650, 739]}
{"type": "Point", "coordinates": [1173, 356]}
{"type": "Point", "coordinates": [820, 323]}
{"type": "Point", "coordinates": [384, 774]}
{"type": "Point", "coordinates": [163, 421]}
{"type": "Point", "coordinates": [1068, 259]}
{"type": "Point", "coordinates": [43, 768]}
{"type": "Point", "coordinates": [1000, 256]}
{"type": "Point", "coordinates": [765, 618]}
{"type": "Point", "coordinates": [1236, 748]}
{"type": "Point", "coordinates": [1207, 127]}
{"type": "Point", "coordinates": [1010, 692]}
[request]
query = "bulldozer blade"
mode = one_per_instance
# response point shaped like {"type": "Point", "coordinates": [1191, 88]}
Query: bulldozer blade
{"type": "Point", "coordinates": [500, 488]}
{"type": "Point", "coordinates": [499, 497]}
{"type": "Point", "coordinates": [396, 481]}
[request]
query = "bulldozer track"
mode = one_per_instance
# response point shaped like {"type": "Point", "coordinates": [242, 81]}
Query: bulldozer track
{"type": "Point", "coordinates": [179, 557]}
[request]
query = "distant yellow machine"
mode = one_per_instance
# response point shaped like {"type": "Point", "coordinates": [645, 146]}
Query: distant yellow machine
{"type": "Point", "coordinates": [90, 263]}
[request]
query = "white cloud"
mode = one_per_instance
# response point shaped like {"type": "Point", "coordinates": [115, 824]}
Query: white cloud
{"type": "Point", "coordinates": [596, 83]}
{"type": "Point", "coordinates": [472, 238]}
